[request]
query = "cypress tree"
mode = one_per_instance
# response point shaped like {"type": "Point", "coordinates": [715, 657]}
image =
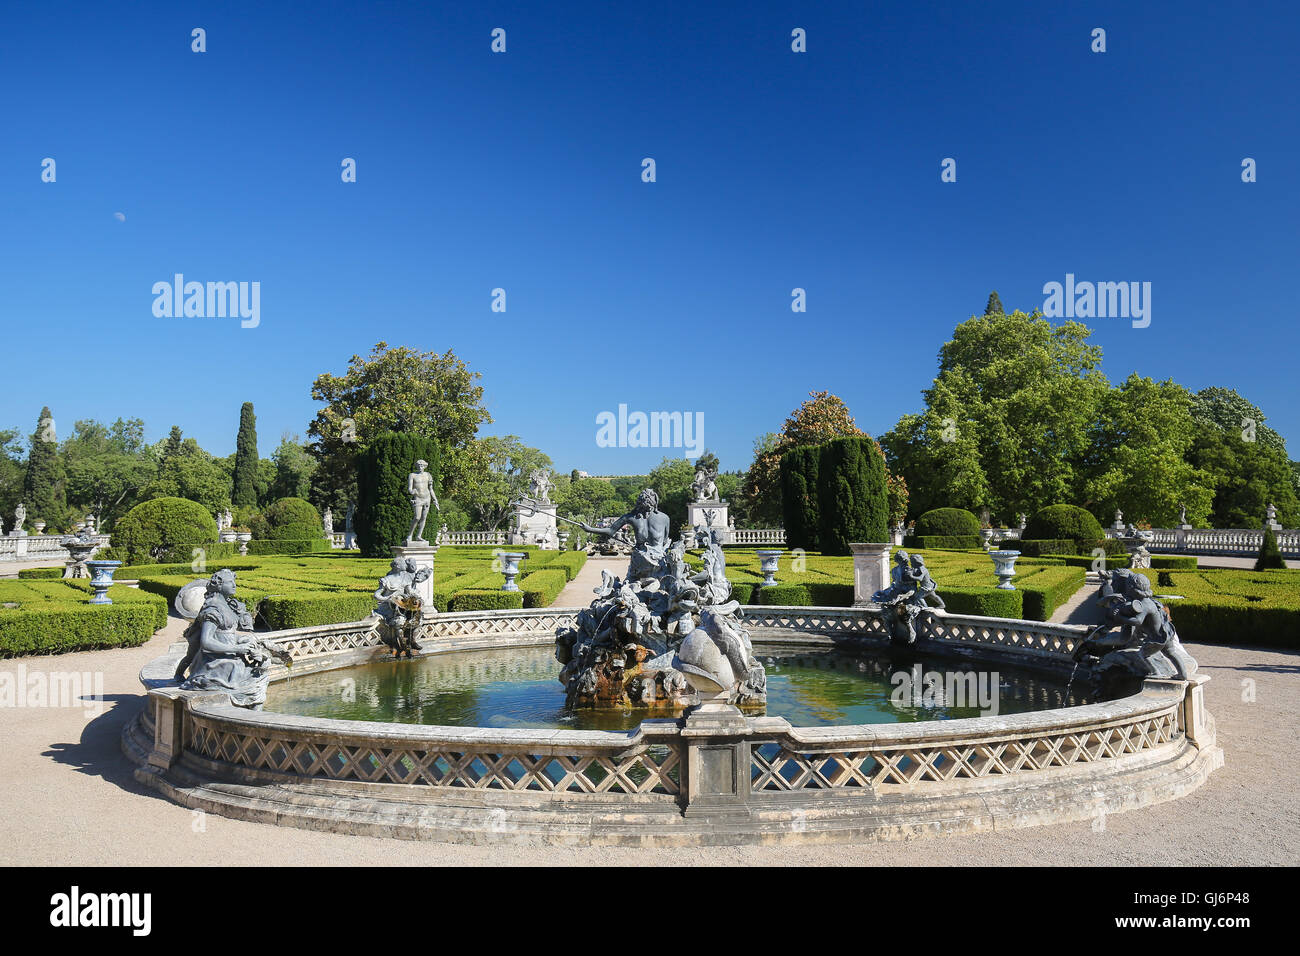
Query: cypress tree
{"type": "Point", "coordinates": [853, 502]}
{"type": "Point", "coordinates": [173, 445]}
{"type": "Point", "coordinates": [799, 496]}
{"type": "Point", "coordinates": [1270, 556]}
{"type": "Point", "coordinates": [245, 484]}
{"type": "Point", "coordinates": [994, 306]}
{"type": "Point", "coordinates": [43, 490]}
{"type": "Point", "coordinates": [383, 514]}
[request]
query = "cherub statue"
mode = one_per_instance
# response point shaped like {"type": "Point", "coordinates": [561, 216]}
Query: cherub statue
{"type": "Point", "coordinates": [399, 605]}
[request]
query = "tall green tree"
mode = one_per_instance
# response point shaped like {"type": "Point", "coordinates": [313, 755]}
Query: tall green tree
{"type": "Point", "coordinates": [399, 390]}
{"type": "Point", "coordinates": [994, 305]}
{"type": "Point", "coordinates": [43, 485]}
{"type": "Point", "coordinates": [244, 490]}
{"type": "Point", "coordinates": [1137, 461]}
{"type": "Point", "coordinates": [799, 491]}
{"type": "Point", "coordinates": [495, 474]}
{"type": "Point", "coordinates": [294, 468]}
{"type": "Point", "coordinates": [1009, 415]}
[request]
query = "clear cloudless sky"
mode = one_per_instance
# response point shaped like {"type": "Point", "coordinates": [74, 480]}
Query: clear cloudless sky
{"type": "Point", "coordinates": [522, 170]}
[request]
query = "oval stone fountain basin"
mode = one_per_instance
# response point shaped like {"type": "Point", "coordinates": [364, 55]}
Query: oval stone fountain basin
{"type": "Point", "coordinates": [518, 688]}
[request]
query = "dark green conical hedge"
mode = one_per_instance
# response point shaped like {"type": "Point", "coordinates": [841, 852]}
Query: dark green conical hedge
{"type": "Point", "coordinates": [799, 496]}
{"type": "Point", "coordinates": [244, 491]}
{"type": "Point", "coordinates": [852, 500]}
{"type": "Point", "coordinates": [1270, 556]}
{"type": "Point", "coordinates": [383, 514]}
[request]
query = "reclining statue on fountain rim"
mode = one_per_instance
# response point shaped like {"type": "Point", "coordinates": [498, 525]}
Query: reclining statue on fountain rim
{"type": "Point", "coordinates": [1137, 637]}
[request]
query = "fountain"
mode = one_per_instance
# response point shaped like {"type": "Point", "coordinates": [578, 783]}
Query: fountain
{"type": "Point", "coordinates": [81, 547]}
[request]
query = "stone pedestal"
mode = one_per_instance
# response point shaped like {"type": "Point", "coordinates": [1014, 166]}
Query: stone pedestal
{"type": "Point", "coordinates": [537, 525]}
{"type": "Point", "coordinates": [696, 518]}
{"type": "Point", "coordinates": [870, 571]}
{"type": "Point", "coordinates": [423, 553]}
{"type": "Point", "coordinates": [1180, 537]}
{"type": "Point", "coordinates": [717, 760]}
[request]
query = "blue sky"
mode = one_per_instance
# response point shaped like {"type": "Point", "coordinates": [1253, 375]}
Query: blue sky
{"type": "Point", "coordinates": [522, 171]}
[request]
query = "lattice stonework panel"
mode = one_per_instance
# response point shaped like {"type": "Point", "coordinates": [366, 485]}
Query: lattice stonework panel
{"type": "Point", "coordinates": [316, 644]}
{"type": "Point", "coordinates": [656, 770]}
{"type": "Point", "coordinates": [1000, 635]}
{"type": "Point", "coordinates": [774, 768]}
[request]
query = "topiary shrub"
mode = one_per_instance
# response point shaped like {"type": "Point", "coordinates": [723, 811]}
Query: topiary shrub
{"type": "Point", "coordinates": [383, 515]}
{"type": "Point", "coordinates": [288, 546]}
{"type": "Point", "coordinates": [947, 522]}
{"type": "Point", "coordinates": [1065, 522]}
{"type": "Point", "coordinates": [944, 542]}
{"type": "Point", "coordinates": [852, 502]}
{"type": "Point", "coordinates": [783, 595]}
{"type": "Point", "coordinates": [1270, 556]}
{"type": "Point", "coordinates": [799, 496]}
{"type": "Point", "coordinates": [163, 526]}
{"type": "Point", "coordinates": [484, 600]}
{"type": "Point", "coordinates": [288, 519]}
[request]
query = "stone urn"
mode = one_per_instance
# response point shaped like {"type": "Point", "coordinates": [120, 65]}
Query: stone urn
{"type": "Point", "coordinates": [39, 526]}
{"type": "Point", "coordinates": [769, 561]}
{"type": "Point", "coordinates": [510, 568]}
{"type": "Point", "coordinates": [1004, 566]}
{"type": "Point", "coordinates": [80, 550]}
{"type": "Point", "coordinates": [101, 578]}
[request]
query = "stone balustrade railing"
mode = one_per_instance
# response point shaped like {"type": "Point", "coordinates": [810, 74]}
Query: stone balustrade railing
{"type": "Point", "coordinates": [472, 537]}
{"type": "Point", "coordinates": [756, 536]}
{"type": "Point", "coordinates": [37, 547]}
{"type": "Point", "coordinates": [1217, 541]}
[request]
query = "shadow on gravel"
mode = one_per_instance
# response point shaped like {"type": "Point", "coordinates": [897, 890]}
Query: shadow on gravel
{"type": "Point", "coordinates": [99, 751]}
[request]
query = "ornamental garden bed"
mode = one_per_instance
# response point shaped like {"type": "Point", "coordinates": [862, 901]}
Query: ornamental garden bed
{"type": "Point", "coordinates": [53, 617]}
{"type": "Point", "coordinates": [1219, 606]}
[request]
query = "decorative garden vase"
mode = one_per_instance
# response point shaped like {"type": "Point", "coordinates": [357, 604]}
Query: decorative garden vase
{"type": "Point", "coordinates": [101, 578]}
{"type": "Point", "coordinates": [510, 568]}
{"type": "Point", "coordinates": [1004, 566]}
{"type": "Point", "coordinates": [769, 559]}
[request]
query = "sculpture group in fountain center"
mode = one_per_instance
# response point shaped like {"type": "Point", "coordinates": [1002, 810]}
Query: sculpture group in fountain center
{"type": "Point", "coordinates": [662, 634]}
{"type": "Point", "coordinates": [399, 605]}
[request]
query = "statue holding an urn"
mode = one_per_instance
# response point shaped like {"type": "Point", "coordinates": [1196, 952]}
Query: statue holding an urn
{"type": "Point", "coordinates": [419, 484]}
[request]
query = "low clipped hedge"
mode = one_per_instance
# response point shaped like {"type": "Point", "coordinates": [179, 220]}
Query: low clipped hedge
{"type": "Point", "coordinates": [570, 562]}
{"type": "Point", "coordinates": [1047, 588]}
{"type": "Point", "coordinates": [541, 588]}
{"type": "Point", "coordinates": [1222, 606]}
{"type": "Point", "coordinates": [282, 611]}
{"type": "Point", "coordinates": [55, 618]}
{"type": "Point", "coordinates": [984, 601]}
{"type": "Point", "coordinates": [481, 599]}
{"type": "Point", "coordinates": [944, 542]}
{"type": "Point", "coordinates": [286, 546]}
{"type": "Point", "coordinates": [1058, 547]}
{"type": "Point", "coordinates": [947, 522]}
{"type": "Point", "coordinates": [783, 594]}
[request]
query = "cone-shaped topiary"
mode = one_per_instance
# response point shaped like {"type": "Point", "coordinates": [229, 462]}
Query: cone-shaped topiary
{"type": "Point", "coordinates": [852, 502]}
{"type": "Point", "coordinates": [43, 491]}
{"type": "Point", "coordinates": [799, 496]}
{"type": "Point", "coordinates": [1270, 556]}
{"type": "Point", "coordinates": [384, 514]}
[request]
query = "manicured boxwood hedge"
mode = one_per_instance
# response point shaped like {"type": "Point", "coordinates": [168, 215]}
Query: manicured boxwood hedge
{"type": "Point", "coordinates": [984, 601]}
{"type": "Point", "coordinates": [485, 600]}
{"type": "Point", "coordinates": [953, 542]}
{"type": "Point", "coordinates": [1221, 606]}
{"type": "Point", "coordinates": [1063, 521]}
{"type": "Point", "coordinates": [55, 618]}
{"type": "Point", "coordinates": [948, 522]}
{"type": "Point", "coordinates": [286, 546]}
{"type": "Point", "coordinates": [541, 588]}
